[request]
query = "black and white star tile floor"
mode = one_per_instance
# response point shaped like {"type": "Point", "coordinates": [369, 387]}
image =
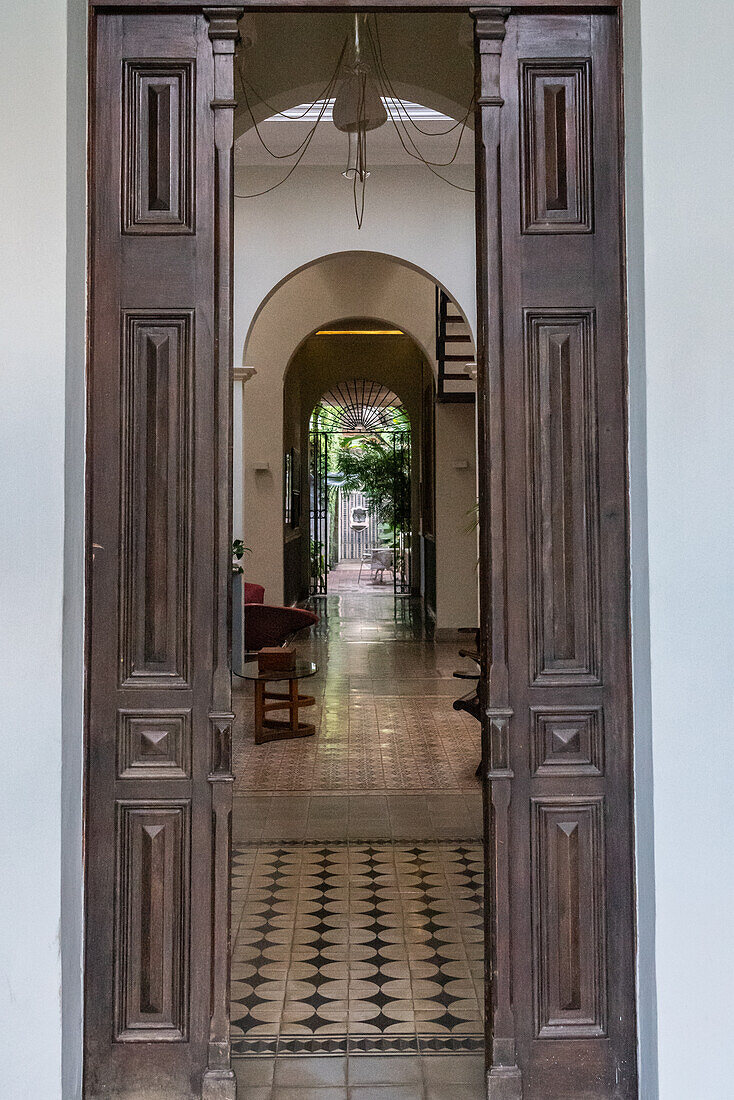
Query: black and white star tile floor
{"type": "Point", "coordinates": [352, 948]}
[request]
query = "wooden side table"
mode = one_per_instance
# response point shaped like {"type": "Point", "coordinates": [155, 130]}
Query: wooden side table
{"type": "Point", "coordinates": [275, 729]}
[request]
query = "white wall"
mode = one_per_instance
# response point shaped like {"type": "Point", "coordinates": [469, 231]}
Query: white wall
{"type": "Point", "coordinates": [682, 452]}
{"type": "Point", "coordinates": [680, 171]}
{"type": "Point", "coordinates": [457, 597]}
{"type": "Point", "coordinates": [42, 173]}
{"type": "Point", "coordinates": [408, 213]}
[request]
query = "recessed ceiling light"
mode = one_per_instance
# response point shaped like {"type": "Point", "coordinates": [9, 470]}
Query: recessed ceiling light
{"type": "Point", "coordinates": [360, 332]}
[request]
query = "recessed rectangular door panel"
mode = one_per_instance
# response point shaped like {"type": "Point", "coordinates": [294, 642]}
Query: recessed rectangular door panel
{"type": "Point", "coordinates": [563, 527]}
{"type": "Point", "coordinates": [569, 950]}
{"type": "Point", "coordinates": [157, 358]}
{"type": "Point", "coordinates": [556, 145]}
{"type": "Point", "coordinates": [158, 135]}
{"type": "Point", "coordinates": [152, 921]}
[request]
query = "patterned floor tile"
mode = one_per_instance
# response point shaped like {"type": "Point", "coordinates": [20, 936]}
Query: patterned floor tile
{"type": "Point", "coordinates": [383, 714]}
{"type": "Point", "coordinates": [356, 948]}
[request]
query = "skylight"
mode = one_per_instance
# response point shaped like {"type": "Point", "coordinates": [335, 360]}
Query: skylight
{"type": "Point", "coordinates": [308, 112]}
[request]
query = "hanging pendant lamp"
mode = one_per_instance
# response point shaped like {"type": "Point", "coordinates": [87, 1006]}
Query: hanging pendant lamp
{"type": "Point", "coordinates": [358, 107]}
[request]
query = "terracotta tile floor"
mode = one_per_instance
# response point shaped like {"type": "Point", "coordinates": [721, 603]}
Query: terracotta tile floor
{"type": "Point", "coordinates": [429, 815]}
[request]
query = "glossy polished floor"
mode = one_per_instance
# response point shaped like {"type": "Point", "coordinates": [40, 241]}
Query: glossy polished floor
{"type": "Point", "coordinates": [356, 577]}
{"type": "Point", "coordinates": [357, 881]}
{"type": "Point", "coordinates": [383, 713]}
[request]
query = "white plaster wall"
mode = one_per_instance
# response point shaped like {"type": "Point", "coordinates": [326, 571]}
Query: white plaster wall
{"type": "Point", "coordinates": [42, 183]}
{"type": "Point", "coordinates": [456, 541]}
{"type": "Point", "coordinates": [408, 213]}
{"type": "Point", "coordinates": [679, 95]}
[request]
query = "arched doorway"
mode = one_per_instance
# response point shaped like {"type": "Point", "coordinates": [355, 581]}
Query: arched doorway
{"type": "Point", "coordinates": [345, 291]}
{"type": "Point", "coordinates": [360, 486]}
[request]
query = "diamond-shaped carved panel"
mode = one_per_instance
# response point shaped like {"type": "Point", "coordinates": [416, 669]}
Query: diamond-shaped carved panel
{"type": "Point", "coordinates": [567, 741]}
{"type": "Point", "coordinates": [154, 744]}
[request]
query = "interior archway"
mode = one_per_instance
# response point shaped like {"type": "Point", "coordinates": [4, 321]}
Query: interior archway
{"type": "Point", "coordinates": [329, 291]}
{"type": "Point", "coordinates": [389, 288]}
{"type": "Point", "coordinates": [336, 355]}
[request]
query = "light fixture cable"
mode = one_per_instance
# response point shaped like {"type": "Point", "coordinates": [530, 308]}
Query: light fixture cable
{"type": "Point", "coordinates": [302, 149]}
{"type": "Point", "coordinates": [390, 94]}
{"type": "Point", "coordinates": [392, 106]}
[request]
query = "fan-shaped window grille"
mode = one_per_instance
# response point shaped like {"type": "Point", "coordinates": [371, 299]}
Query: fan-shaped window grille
{"type": "Point", "coordinates": [359, 406]}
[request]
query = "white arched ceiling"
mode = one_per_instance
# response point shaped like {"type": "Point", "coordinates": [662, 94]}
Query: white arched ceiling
{"type": "Point", "coordinates": [290, 56]}
{"type": "Point", "coordinates": [410, 217]}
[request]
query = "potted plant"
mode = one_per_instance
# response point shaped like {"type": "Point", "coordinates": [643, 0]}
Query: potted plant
{"type": "Point", "coordinates": [238, 552]}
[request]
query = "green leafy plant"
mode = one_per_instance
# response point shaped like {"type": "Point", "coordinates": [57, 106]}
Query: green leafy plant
{"type": "Point", "coordinates": [318, 564]}
{"type": "Point", "coordinates": [370, 464]}
{"type": "Point", "coordinates": [238, 552]}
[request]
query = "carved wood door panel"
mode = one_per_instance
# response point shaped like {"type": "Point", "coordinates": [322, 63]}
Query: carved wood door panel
{"type": "Point", "coordinates": [561, 1011]}
{"type": "Point", "coordinates": [158, 723]}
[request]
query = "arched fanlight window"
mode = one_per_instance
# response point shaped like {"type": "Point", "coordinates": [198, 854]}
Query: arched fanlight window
{"type": "Point", "coordinates": [359, 406]}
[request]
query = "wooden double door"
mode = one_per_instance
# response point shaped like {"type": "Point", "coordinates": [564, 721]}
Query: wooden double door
{"type": "Point", "coordinates": [554, 557]}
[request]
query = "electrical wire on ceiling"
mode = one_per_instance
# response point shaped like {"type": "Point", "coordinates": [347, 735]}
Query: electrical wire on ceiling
{"type": "Point", "coordinates": [301, 150]}
{"type": "Point", "coordinates": [398, 119]}
{"type": "Point", "coordinates": [364, 97]}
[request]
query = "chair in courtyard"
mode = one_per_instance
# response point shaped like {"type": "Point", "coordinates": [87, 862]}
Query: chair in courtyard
{"type": "Point", "coordinates": [380, 560]}
{"type": "Point", "coordinates": [365, 559]}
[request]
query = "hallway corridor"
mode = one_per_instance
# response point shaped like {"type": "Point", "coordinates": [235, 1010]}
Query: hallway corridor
{"type": "Point", "coordinates": [357, 879]}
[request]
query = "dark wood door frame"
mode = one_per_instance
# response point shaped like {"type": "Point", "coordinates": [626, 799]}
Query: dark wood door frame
{"type": "Point", "coordinates": [554, 580]}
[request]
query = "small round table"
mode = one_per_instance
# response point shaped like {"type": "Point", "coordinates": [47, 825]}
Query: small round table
{"type": "Point", "coordinates": [274, 729]}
